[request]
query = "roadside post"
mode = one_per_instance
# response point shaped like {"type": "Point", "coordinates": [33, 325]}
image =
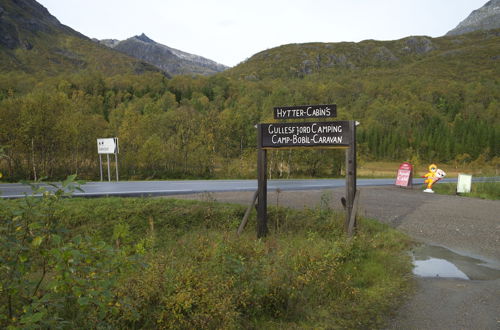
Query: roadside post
{"type": "Point", "coordinates": [316, 135]}
{"type": "Point", "coordinates": [108, 146]}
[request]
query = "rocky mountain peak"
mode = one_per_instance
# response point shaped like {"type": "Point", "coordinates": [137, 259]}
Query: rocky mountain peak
{"type": "Point", "coordinates": [167, 59]}
{"type": "Point", "coordinates": [145, 38]}
{"type": "Point", "coordinates": [484, 18]}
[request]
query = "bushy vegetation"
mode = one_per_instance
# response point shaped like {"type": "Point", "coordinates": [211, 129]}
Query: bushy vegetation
{"type": "Point", "coordinates": [156, 263]}
{"type": "Point", "coordinates": [434, 100]}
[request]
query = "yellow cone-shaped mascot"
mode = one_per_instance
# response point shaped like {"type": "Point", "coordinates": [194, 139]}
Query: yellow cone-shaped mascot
{"type": "Point", "coordinates": [433, 176]}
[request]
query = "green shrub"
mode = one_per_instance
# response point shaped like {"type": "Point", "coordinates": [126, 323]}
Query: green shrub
{"type": "Point", "coordinates": [162, 263]}
{"type": "Point", "coordinates": [50, 278]}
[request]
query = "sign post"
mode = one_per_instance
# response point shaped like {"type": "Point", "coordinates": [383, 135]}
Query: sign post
{"type": "Point", "coordinates": [108, 146]}
{"type": "Point", "coordinates": [262, 187]}
{"type": "Point", "coordinates": [331, 134]}
{"type": "Point", "coordinates": [116, 159]}
{"type": "Point", "coordinates": [350, 180]}
{"type": "Point", "coordinates": [100, 165]}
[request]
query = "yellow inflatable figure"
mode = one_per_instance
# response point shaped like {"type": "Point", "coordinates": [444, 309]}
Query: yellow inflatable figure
{"type": "Point", "coordinates": [433, 176]}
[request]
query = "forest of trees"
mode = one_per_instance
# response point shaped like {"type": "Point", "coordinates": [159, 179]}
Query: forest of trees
{"type": "Point", "coordinates": [192, 127]}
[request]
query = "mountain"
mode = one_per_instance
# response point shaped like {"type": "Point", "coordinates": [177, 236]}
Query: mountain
{"type": "Point", "coordinates": [168, 59]}
{"type": "Point", "coordinates": [34, 41]}
{"type": "Point", "coordinates": [475, 51]}
{"type": "Point", "coordinates": [484, 18]}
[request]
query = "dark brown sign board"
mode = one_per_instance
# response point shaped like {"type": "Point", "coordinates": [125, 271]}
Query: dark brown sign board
{"type": "Point", "coordinates": [314, 134]}
{"type": "Point", "coordinates": [306, 111]}
{"type": "Point", "coordinates": [299, 135]}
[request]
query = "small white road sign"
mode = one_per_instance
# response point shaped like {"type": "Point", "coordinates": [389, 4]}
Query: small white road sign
{"type": "Point", "coordinates": [106, 146]}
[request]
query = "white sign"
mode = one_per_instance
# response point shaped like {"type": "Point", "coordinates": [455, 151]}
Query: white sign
{"type": "Point", "coordinates": [464, 183]}
{"type": "Point", "coordinates": [106, 146]}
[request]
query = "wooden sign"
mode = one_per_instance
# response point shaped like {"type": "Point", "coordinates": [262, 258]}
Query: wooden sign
{"type": "Point", "coordinates": [306, 111]}
{"type": "Point", "coordinates": [335, 134]}
{"type": "Point", "coordinates": [405, 175]}
{"type": "Point", "coordinates": [317, 134]}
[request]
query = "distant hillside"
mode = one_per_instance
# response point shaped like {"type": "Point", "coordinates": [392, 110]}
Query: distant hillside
{"type": "Point", "coordinates": [34, 41]}
{"type": "Point", "coordinates": [484, 18]}
{"type": "Point", "coordinates": [168, 59]}
{"type": "Point", "coordinates": [476, 51]}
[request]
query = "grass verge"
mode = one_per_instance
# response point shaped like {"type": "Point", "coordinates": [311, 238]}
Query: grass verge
{"type": "Point", "coordinates": [484, 190]}
{"type": "Point", "coordinates": [192, 271]}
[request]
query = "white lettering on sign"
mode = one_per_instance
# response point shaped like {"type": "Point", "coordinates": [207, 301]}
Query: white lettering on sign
{"type": "Point", "coordinates": [305, 134]}
{"type": "Point", "coordinates": [295, 131]}
{"type": "Point", "coordinates": [309, 112]}
{"type": "Point", "coordinates": [280, 130]}
{"type": "Point", "coordinates": [312, 111]}
{"type": "Point", "coordinates": [327, 139]}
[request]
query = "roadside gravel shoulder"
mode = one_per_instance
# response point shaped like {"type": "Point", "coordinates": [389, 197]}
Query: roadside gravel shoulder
{"type": "Point", "coordinates": [450, 304]}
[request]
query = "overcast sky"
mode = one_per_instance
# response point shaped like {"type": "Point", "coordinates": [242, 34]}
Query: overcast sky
{"type": "Point", "coordinates": [229, 31]}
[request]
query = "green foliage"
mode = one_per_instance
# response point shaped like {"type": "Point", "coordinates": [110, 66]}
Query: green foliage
{"type": "Point", "coordinates": [50, 278]}
{"type": "Point", "coordinates": [438, 102]}
{"type": "Point", "coordinates": [198, 274]}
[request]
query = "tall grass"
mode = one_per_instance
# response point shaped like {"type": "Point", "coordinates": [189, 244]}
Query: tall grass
{"type": "Point", "coordinates": [484, 190]}
{"type": "Point", "coordinates": [199, 274]}
{"type": "Point", "coordinates": [193, 270]}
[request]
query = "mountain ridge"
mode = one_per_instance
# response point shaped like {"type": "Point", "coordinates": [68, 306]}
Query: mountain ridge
{"type": "Point", "coordinates": [485, 18]}
{"type": "Point", "coordinates": [300, 60]}
{"type": "Point", "coordinates": [168, 59]}
{"type": "Point", "coordinates": [33, 41]}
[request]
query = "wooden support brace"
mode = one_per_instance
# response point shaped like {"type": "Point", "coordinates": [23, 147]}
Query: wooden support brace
{"type": "Point", "coordinates": [352, 221]}
{"type": "Point", "coordinates": [247, 213]}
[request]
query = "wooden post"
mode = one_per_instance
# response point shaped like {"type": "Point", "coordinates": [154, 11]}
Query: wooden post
{"type": "Point", "coordinates": [350, 173]}
{"type": "Point", "coordinates": [351, 228]}
{"type": "Point", "coordinates": [247, 213]}
{"type": "Point", "coordinates": [116, 158]}
{"type": "Point", "coordinates": [262, 186]}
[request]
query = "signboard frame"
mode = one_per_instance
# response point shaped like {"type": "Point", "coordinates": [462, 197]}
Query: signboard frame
{"type": "Point", "coordinates": [262, 147]}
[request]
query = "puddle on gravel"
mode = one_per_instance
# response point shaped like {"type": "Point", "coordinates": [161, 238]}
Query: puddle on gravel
{"type": "Point", "coordinates": [437, 261]}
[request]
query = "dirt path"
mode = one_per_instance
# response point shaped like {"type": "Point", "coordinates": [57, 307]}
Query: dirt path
{"type": "Point", "coordinates": [466, 225]}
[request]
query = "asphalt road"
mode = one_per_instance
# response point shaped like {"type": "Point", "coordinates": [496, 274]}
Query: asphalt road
{"type": "Point", "coordinates": [165, 188]}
